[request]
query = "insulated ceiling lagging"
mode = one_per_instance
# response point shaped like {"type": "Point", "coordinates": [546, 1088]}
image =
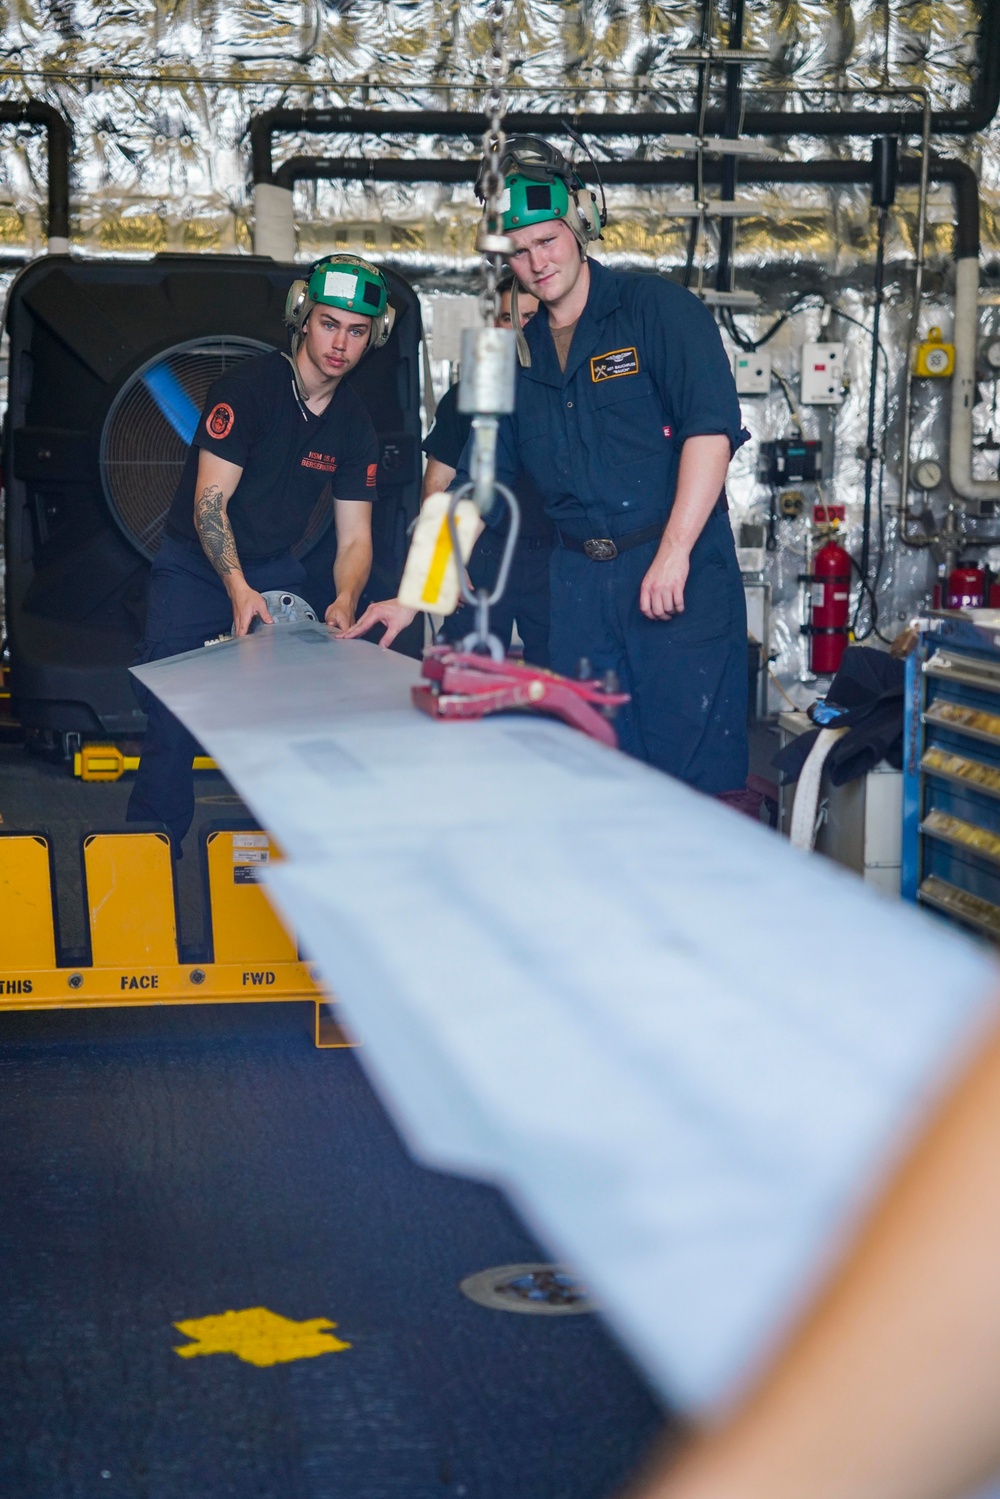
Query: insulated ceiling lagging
{"type": "Point", "coordinates": [161, 102]}
{"type": "Point", "coordinates": [160, 98]}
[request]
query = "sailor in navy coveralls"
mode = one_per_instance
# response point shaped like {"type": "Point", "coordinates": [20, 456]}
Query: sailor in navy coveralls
{"type": "Point", "coordinates": [626, 419]}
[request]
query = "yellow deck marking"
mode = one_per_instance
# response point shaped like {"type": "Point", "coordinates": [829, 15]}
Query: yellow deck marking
{"type": "Point", "coordinates": [259, 1337]}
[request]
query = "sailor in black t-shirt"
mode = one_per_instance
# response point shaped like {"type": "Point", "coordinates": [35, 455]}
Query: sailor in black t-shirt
{"type": "Point", "coordinates": [275, 431]}
{"type": "Point", "coordinates": [525, 600]}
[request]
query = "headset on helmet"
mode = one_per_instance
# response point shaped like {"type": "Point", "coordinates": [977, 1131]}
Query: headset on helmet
{"type": "Point", "coordinates": [347, 282]}
{"type": "Point", "coordinates": [540, 185]}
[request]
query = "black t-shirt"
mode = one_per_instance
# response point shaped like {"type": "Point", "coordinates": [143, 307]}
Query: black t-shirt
{"type": "Point", "coordinates": [253, 417]}
{"type": "Point", "coordinates": [446, 441]}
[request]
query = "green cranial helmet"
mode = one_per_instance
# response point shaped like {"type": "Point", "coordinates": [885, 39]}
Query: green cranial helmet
{"type": "Point", "coordinates": [541, 185]}
{"type": "Point", "coordinates": [524, 202]}
{"type": "Point", "coordinates": [347, 282]}
{"type": "Point", "coordinates": [350, 283]}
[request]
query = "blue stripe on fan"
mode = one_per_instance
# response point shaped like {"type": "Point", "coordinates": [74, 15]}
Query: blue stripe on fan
{"type": "Point", "coordinates": [173, 400]}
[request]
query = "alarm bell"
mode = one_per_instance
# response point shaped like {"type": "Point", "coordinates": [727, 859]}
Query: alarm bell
{"type": "Point", "coordinates": [935, 360]}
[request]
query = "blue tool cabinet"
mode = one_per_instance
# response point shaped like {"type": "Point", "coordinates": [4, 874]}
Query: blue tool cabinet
{"type": "Point", "coordinates": [951, 771]}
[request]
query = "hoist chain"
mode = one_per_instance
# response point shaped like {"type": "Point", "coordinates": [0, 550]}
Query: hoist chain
{"type": "Point", "coordinates": [494, 141]}
{"type": "Point", "coordinates": [487, 386]}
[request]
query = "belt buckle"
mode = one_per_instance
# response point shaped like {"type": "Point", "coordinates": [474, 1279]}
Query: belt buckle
{"type": "Point", "coordinates": [600, 549]}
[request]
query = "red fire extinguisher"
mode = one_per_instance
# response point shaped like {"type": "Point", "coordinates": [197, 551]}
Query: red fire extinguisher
{"type": "Point", "coordinates": [966, 587]}
{"type": "Point", "coordinates": [831, 590]}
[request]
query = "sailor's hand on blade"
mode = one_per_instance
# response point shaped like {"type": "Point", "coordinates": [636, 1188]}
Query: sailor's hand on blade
{"type": "Point", "coordinates": [246, 605]}
{"type": "Point", "coordinates": [391, 613]}
{"type": "Point", "coordinates": [340, 616]}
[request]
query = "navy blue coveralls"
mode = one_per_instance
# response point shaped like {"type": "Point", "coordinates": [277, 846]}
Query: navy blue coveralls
{"type": "Point", "coordinates": [602, 440]}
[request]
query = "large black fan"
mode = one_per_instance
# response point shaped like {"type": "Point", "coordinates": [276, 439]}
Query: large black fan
{"type": "Point", "coordinates": [150, 425]}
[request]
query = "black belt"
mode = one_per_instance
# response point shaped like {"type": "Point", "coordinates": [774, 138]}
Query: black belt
{"type": "Point", "coordinates": [606, 548]}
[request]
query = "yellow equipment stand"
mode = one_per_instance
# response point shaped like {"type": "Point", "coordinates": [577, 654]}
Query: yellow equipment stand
{"type": "Point", "coordinates": [131, 908]}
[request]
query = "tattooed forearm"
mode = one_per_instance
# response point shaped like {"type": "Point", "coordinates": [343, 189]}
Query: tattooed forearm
{"type": "Point", "coordinates": [214, 531]}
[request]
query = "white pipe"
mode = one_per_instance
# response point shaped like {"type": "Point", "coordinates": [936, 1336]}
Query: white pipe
{"type": "Point", "coordinates": [274, 221]}
{"type": "Point", "coordinates": [963, 386]}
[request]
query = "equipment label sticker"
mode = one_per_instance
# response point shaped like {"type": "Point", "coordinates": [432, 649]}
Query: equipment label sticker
{"type": "Point", "coordinates": [251, 855]}
{"type": "Point", "coordinates": [219, 422]}
{"type": "Point", "coordinates": [612, 366]}
{"type": "Point", "coordinates": [246, 874]}
{"type": "Point", "coordinates": [251, 840]}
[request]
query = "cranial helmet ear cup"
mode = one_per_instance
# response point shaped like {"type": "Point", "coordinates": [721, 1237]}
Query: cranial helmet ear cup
{"type": "Point", "coordinates": [296, 305]}
{"type": "Point", "coordinates": [383, 327]}
{"type": "Point", "coordinates": [590, 214]}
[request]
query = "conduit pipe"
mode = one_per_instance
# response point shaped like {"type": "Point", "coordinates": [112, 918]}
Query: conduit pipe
{"type": "Point", "coordinates": [963, 385]}
{"type": "Point", "coordinates": [273, 221]}
{"type": "Point", "coordinates": [730, 129]}
{"type": "Point", "coordinates": [274, 230]}
{"type": "Point", "coordinates": [674, 170]}
{"type": "Point", "coordinates": [59, 138]}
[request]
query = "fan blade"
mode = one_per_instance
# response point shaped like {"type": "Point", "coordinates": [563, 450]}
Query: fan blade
{"type": "Point", "coordinates": [172, 400]}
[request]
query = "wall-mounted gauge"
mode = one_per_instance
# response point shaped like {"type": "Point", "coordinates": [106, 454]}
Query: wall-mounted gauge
{"type": "Point", "coordinates": [934, 359]}
{"type": "Point", "coordinates": [927, 474]}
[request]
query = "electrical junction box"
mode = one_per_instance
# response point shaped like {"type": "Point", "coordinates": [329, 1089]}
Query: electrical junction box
{"type": "Point", "coordinates": [752, 373]}
{"type": "Point", "coordinates": [822, 374]}
{"type": "Point", "coordinates": [791, 460]}
{"type": "Point", "coordinates": [934, 359]}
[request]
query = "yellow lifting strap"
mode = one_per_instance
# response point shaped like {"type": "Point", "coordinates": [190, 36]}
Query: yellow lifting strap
{"type": "Point", "coordinates": [27, 927]}
{"type": "Point", "coordinates": [129, 880]}
{"type": "Point", "coordinates": [245, 928]}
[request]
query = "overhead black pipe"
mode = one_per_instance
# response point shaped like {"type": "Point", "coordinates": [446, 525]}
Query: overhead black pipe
{"type": "Point", "coordinates": [661, 173]}
{"type": "Point", "coordinates": [348, 121]}
{"type": "Point", "coordinates": [375, 169]}
{"type": "Point", "coordinates": [59, 140]}
{"type": "Point", "coordinates": [730, 129]}
{"type": "Point", "coordinates": [701, 109]}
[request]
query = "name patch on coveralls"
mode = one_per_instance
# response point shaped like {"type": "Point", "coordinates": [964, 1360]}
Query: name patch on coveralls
{"type": "Point", "coordinates": [612, 366]}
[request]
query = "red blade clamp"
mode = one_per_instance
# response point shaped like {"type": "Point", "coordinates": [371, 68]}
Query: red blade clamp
{"type": "Point", "coordinates": [462, 685]}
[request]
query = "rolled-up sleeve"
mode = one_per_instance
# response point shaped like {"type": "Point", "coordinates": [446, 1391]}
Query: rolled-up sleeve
{"type": "Point", "coordinates": [688, 349]}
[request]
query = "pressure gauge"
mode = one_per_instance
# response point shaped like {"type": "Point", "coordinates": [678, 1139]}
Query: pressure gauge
{"type": "Point", "coordinates": [992, 352]}
{"type": "Point", "coordinates": [927, 474]}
